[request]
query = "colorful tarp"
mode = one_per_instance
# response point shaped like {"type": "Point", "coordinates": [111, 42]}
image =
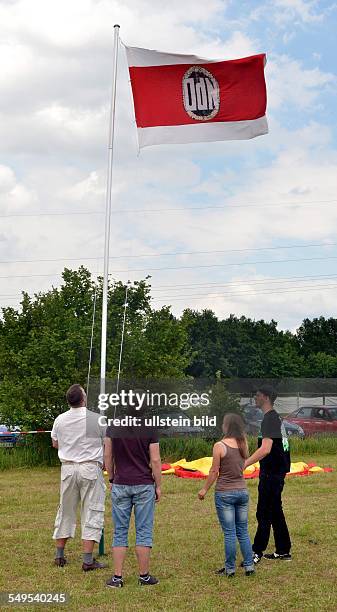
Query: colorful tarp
{"type": "Point", "coordinates": [199, 468]}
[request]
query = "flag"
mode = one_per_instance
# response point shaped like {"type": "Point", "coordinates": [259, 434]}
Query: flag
{"type": "Point", "coordinates": [184, 98]}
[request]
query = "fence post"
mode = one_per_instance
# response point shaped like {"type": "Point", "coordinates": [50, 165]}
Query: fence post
{"type": "Point", "coordinates": [101, 544]}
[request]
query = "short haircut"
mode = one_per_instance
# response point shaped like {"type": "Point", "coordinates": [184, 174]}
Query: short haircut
{"type": "Point", "coordinates": [74, 396]}
{"type": "Point", "coordinates": [269, 392]}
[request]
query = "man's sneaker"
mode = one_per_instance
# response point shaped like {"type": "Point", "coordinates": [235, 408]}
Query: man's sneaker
{"type": "Point", "coordinates": [256, 559]}
{"type": "Point", "coordinates": [250, 572]}
{"type": "Point", "coordinates": [274, 555]}
{"type": "Point", "coordinates": [222, 572]}
{"type": "Point", "coordinates": [115, 583]}
{"type": "Point", "coordinates": [95, 565]}
{"type": "Point", "coordinates": [148, 580]}
{"type": "Point", "coordinates": [60, 562]}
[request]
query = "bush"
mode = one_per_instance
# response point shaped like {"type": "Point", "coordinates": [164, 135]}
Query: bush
{"type": "Point", "coordinates": [35, 451]}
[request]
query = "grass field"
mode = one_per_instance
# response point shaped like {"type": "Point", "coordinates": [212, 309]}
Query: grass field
{"type": "Point", "coordinates": [188, 548]}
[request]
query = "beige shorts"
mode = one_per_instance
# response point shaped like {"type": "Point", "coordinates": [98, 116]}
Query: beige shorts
{"type": "Point", "coordinates": [81, 483]}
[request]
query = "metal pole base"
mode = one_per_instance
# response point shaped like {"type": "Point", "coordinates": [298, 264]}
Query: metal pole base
{"type": "Point", "coordinates": [101, 546]}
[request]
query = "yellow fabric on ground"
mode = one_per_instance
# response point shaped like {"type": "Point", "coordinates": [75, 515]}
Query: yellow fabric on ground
{"type": "Point", "coordinates": [180, 463]}
{"type": "Point", "coordinates": [298, 466]}
{"type": "Point", "coordinates": [204, 465]}
{"type": "Point", "coordinates": [251, 468]}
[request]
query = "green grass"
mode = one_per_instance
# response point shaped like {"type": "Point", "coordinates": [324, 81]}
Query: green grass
{"type": "Point", "coordinates": [188, 547]}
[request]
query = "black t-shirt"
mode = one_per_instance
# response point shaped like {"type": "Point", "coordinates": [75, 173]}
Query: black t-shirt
{"type": "Point", "coordinates": [278, 460]}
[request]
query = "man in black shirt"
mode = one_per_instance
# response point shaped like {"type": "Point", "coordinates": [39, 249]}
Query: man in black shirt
{"type": "Point", "coordinates": [274, 457]}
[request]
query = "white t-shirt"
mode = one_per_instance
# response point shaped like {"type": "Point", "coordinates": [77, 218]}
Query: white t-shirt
{"type": "Point", "coordinates": [79, 435]}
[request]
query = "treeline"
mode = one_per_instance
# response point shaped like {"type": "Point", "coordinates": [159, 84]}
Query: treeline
{"type": "Point", "coordinates": [257, 349]}
{"type": "Point", "coordinates": [44, 346]}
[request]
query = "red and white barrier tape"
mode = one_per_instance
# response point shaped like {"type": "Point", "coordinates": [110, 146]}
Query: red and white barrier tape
{"type": "Point", "coordinates": [19, 433]}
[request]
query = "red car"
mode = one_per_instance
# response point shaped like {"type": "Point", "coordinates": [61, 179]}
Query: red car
{"type": "Point", "coordinates": [315, 419]}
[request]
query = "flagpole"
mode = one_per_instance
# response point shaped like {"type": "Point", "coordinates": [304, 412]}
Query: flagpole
{"type": "Point", "coordinates": [108, 213]}
{"type": "Point", "coordinates": [107, 230]}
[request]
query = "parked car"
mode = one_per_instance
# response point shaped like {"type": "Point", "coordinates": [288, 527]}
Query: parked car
{"type": "Point", "coordinates": [253, 417]}
{"type": "Point", "coordinates": [8, 439]}
{"type": "Point", "coordinates": [315, 419]}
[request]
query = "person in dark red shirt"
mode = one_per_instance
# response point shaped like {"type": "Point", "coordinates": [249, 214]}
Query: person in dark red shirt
{"type": "Point", "coordinates": [134, 468]}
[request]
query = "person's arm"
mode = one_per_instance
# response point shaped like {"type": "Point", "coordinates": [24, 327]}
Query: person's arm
{"type": "Point", "coordinates": [261, 452]}
{"type": "Point", "coordinates": [108, 457]}
{"type": "Point", "coordinates": [53, 435]}
{"type": "Point", "coordinates": [214, 471]}
{"type": "Point", "coordinates": [156, 467]}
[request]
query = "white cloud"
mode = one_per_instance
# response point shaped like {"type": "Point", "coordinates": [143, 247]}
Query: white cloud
{"type": "Point", "coordinates": [289, 83]}
{"type": "Point", "coordinates": [53, 131]}
{"type": "Point", "coordinates": [297, 12]}
{"type": "Point", "coordinates": [305, 10]}
{"type": "Point", "coordinates": [15, 196]}
{"type": "Point", "coordinates": [285, 306]}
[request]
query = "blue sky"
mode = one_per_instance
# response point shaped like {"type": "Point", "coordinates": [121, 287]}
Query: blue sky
{"type": "Point", "coordinates": [275, 191]}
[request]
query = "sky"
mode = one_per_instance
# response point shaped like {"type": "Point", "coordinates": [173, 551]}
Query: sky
{"type": "Point", "coordinates": [263, 242]}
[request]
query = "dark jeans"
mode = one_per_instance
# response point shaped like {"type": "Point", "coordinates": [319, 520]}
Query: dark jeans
{"type": "Point", "coordinates": [269, 513]}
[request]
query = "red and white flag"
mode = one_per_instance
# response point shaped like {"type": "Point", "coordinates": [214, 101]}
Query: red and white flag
{"type": "Point", "coordinates": [184, 98]}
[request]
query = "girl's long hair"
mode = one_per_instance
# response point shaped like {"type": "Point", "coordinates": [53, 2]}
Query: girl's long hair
{"type": "Point", "coordinates": [234, 427]}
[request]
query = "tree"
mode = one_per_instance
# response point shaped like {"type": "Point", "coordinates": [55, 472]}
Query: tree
{"type": "Point", "coordinates": [320, 365]}
{"type": "Point", "coordinates": [222, 402]}
{"type": "Point", "coordinates": [44, 347]}
{"type": "Point", "coordinates": [318, 335]}
{"type": "Point", "coordinates": [239, 347]}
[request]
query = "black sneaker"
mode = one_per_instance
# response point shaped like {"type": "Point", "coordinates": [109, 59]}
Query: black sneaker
{"type": "Point", "coordinates": [274, 555]}
{"type": "Point", "coordinates": [256, 559]}
{"type": "Point", "coordinates": [250, 572]}
{"type": "Point", "coordinates": [220, 572]}
{"type": "Point", "coordinates": [148, 580]}
{"type": "Point", "coordinates": [60, 562]}
{"type": "Point", "coordinates": [230, 575]}
{"type": "Point", "coordinates": [115, 583]}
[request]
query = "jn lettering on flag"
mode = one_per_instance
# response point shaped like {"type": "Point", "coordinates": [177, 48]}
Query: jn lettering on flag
{"type": "Point", "coordinates": [184, 98]}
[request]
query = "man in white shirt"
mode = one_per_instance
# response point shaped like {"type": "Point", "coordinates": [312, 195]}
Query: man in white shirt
{"type": "Point", "coordinates": [79, 439]}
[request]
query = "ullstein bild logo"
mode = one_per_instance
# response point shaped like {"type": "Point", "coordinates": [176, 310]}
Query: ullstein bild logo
{"type": "Point", "coordinates": [201, 93]}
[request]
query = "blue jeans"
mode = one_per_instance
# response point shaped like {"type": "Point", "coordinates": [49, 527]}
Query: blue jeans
{"type": "Point", "coordinates": [232, 510]}
{"type": "Point", "coordinates": [142, 498]}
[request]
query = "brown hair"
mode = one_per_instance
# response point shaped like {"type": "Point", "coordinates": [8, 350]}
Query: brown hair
{"type": "Point", "coordinates": [269, 392]}
{"type": "Point", "coordinates": [74, 396]}
{"type": "Point", "coordinates": [234, 427]}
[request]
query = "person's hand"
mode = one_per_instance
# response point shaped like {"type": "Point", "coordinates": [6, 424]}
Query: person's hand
{"type": "Point", "coordinates": [158, 494]}
{"type": "Point", "coordinates": [202, 494]}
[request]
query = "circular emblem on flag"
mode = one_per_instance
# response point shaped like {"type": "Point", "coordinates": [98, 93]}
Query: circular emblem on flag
{"type": "Point", "coordinates": [201, 93]}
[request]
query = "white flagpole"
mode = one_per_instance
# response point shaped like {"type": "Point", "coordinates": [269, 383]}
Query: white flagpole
{"type": "Point", "coordinates": [108, 213]}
